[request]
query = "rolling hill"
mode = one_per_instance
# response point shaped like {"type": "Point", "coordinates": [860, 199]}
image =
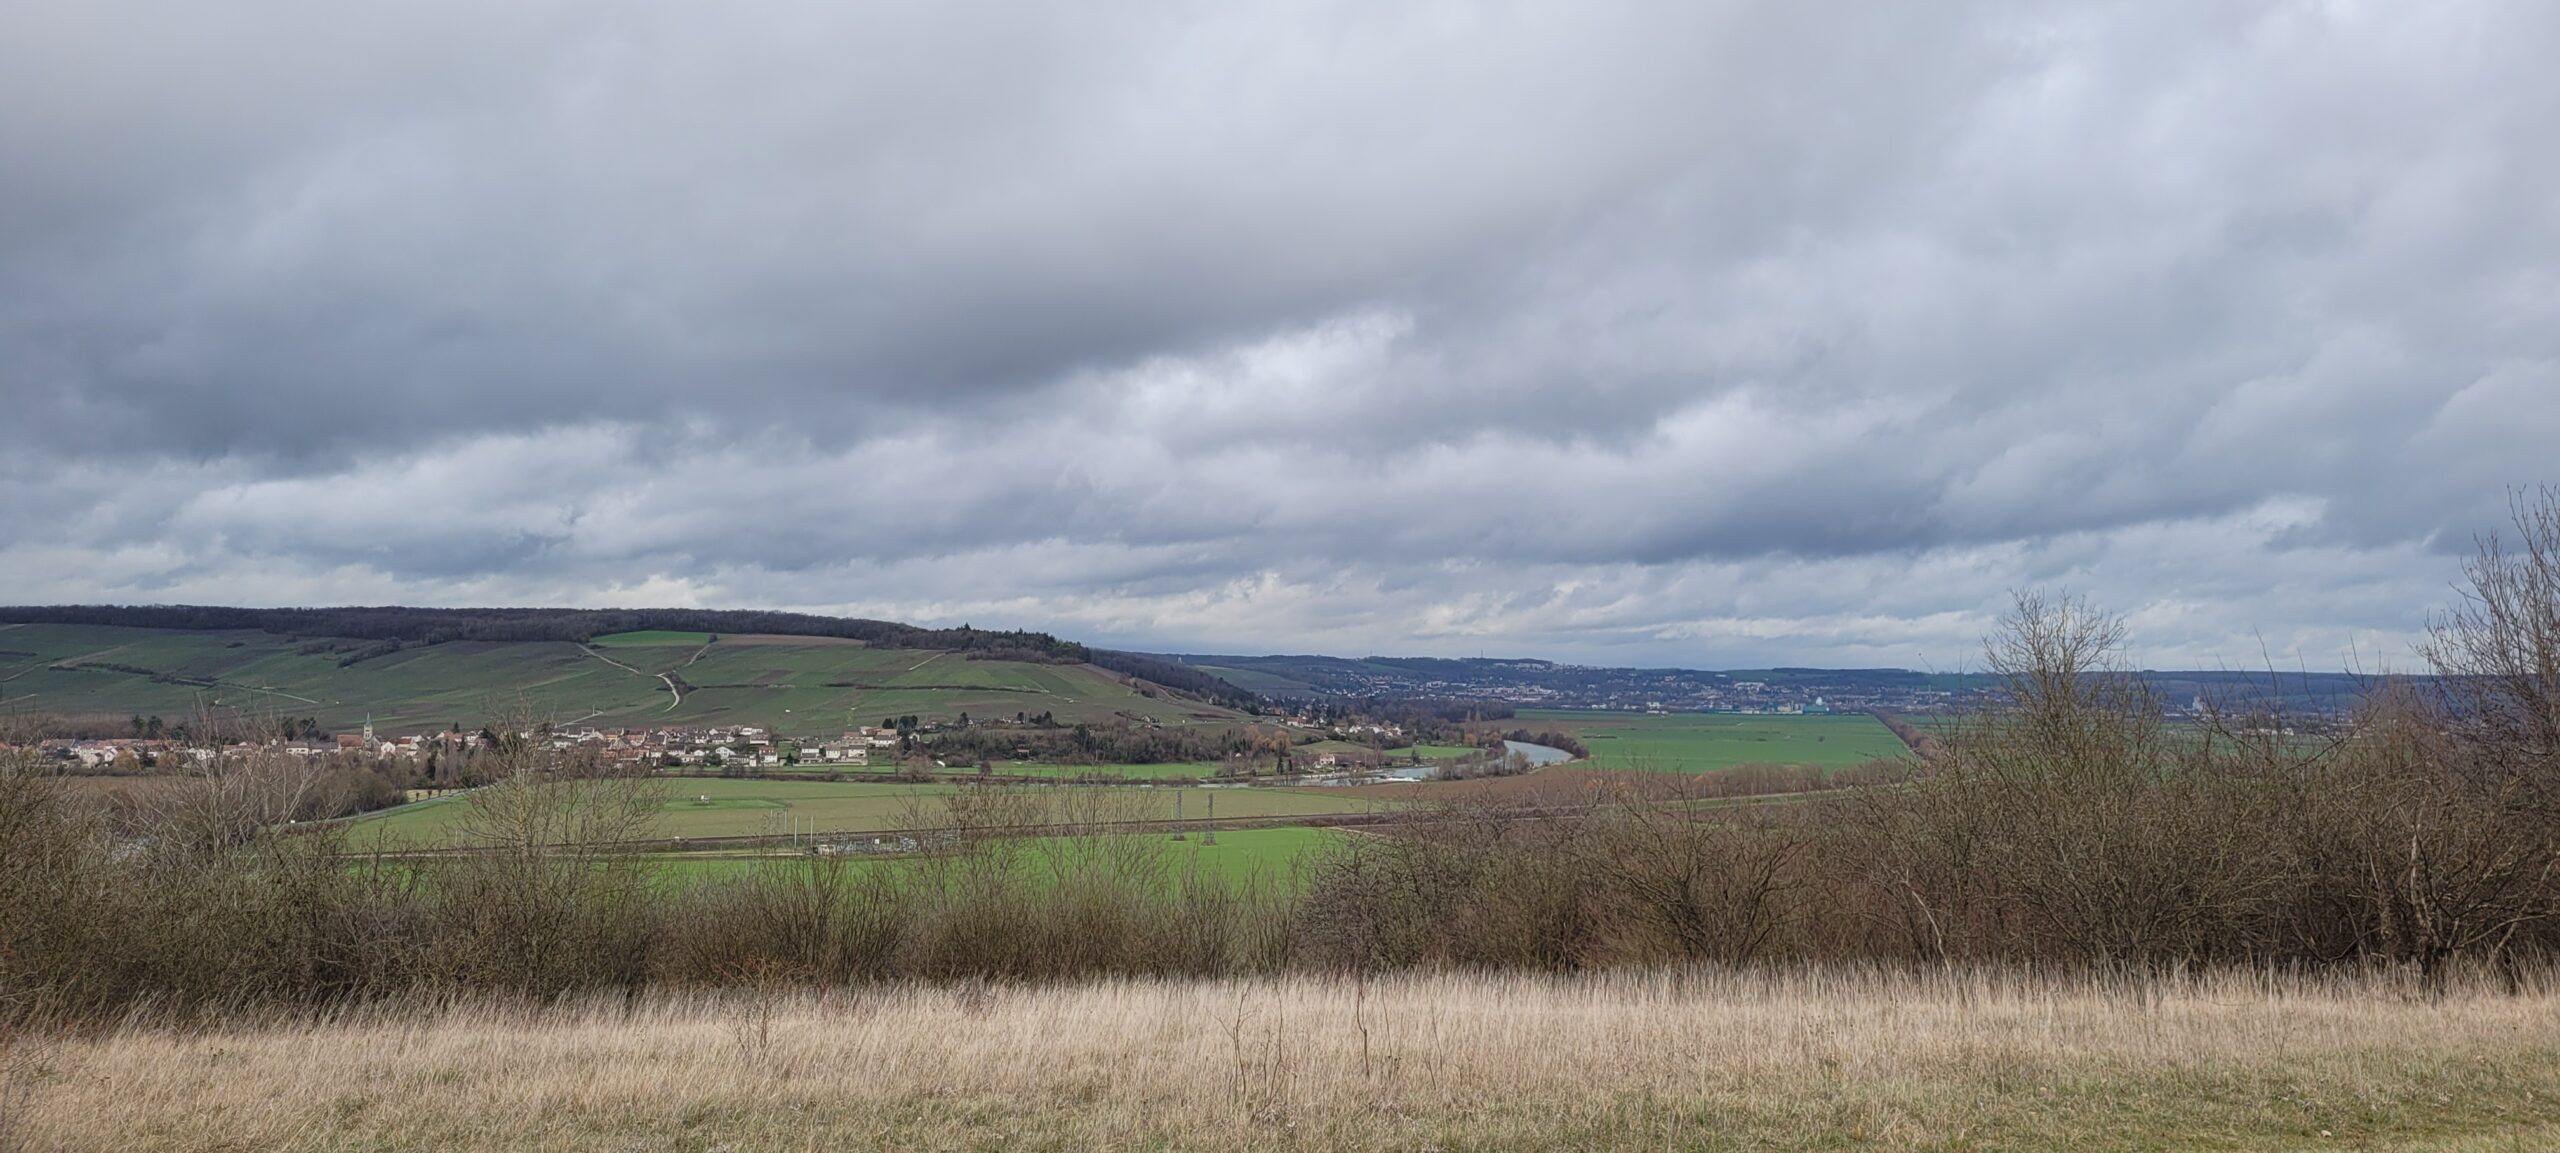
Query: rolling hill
{"type": "Point", "coordinates": [795, 684]}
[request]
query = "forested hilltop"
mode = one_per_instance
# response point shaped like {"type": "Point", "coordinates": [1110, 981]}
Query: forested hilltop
{"type": "Point", "coordinates": [437, 625]}
{"type": "Point", "coordinates": [405, 626]}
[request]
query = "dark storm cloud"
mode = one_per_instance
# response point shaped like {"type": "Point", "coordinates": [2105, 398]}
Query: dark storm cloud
{"type": "Point", "coordinates": [1702, 333]}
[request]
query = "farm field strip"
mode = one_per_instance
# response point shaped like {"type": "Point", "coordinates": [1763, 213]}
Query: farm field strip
{"type": "Point", "coordinates": [1435, 752]}
{"type": "Point", "coordinates": [1706, 742]}
{"type": "Point", "coordinates": [709, 808]}
{"type": "Point", "coordinates": [1235, 856]}
{"type": "Point", "coordinates": [1174, 771]}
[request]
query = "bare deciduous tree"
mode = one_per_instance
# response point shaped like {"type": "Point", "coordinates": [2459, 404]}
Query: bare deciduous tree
{"type": "Point", "coordinates": [2498, 651]}
{"type": "Point", "coordinates": [549, 895]}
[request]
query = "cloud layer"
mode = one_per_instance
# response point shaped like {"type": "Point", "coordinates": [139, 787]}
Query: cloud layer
{"type": "Point", "coordinates": [1695, 334]}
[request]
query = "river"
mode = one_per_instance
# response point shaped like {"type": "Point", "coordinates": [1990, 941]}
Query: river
{"type": "Point", "coordinates": [1538, 756]}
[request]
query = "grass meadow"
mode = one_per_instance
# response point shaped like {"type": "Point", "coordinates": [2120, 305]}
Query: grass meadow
{"type": "Point", "coordinates": [1236, 856]}
{"type": "Point", "coordinates": [694, 808]}
{"type": "Point", "coordinates": [1182, 771]}
{"type": "Point", "coordinates": [1808, 1059]}
{"type": "Point", "coordinates": [1707, 742]}
{"type": "Point", "coordinates": [885, 767]}
{"type": "Point", "coordinates": [1435, 752]}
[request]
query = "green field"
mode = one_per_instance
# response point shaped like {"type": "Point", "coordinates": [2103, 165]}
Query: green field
{"type": "Point", "coordinates": [1435, 752]}
{"type": "Point", "coordinates": [1706, 742]}
{"type": "Point", "coordinates": [794, 685]}
{"type": "Point", "coordinates": [1181, 771]}
{"type": "Point", "coordinates": [651, 637]}
{"type": "Point", "coordinates": [690, 808]}
{"type": "Point", "coordinates": [1174, 771]}
{"type": "Point", "coordinates": [1257, 854]}
{"type": "Point", "coordinates": [1239, 855]}
{"type": "Point", "coordinates": [696, 807]}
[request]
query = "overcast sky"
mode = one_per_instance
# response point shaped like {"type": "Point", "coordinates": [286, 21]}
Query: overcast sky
{"type": "Point", "coordinates": [1692, 333]}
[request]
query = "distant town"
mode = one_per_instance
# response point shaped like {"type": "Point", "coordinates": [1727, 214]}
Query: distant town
{"type": "Point", "coordinates": [1534, 684]}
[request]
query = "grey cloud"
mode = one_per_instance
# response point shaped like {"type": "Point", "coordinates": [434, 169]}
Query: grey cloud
{"type": "Point", "coordinates": [821, 206]}
{"type": "Point", "coordinates": [1699, 333]}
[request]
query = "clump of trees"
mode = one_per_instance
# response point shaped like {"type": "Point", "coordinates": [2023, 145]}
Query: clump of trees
{"type": "Point", "coordinates": [1922, 743]}
{"type": "Point", "coordinates": [1176, 676]}
{"type": "Point", "coordinates": [1087, 744]}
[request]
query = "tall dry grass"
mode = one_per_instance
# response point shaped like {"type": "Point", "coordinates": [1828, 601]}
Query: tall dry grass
{"type": "Point", "coordinates": [1695, 1059]}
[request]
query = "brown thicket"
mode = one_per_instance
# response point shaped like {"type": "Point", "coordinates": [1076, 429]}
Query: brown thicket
{"type": "Point", "coordinates": [1650, 879]}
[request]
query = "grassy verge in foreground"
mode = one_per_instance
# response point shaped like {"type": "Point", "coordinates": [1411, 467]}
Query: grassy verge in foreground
{"type": "Point", "coordinates": [1635, 1061]}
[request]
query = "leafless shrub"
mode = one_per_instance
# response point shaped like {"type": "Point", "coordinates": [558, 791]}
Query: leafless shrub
{"type": "Point", "coordinates": [97, 914]}
{"type": "Point", "coordinates": [1674, 884]}
{"type": "Point", "coordinates": [2497, 651]}
{"type": "Point", "coordinates": [813, 919]}
{"type": "Point", "coordinates": [49, 859]}
{"type": "Point", "coordinates": [2425, 859]}
{"type": "Point", "coordinates": [549, 896]}
{"type": "Point", "coordinates": [1645, 880]}
{"type": "Point", "coordinates": [2069, 826]}
{"type": "Point", "coordinates": [22, 1062]}
{"type": "Point", "coordinates": [1087, 897]}
{"type": "Point", "coordinates": [226, 802]}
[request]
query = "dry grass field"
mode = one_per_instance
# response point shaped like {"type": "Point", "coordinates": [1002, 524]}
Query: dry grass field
{"type": "Point", "coordinates": [1636, 1061]}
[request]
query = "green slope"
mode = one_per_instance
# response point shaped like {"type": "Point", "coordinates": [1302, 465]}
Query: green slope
{"type": "Point", "coordinates": [1260, 681]}
{"type": "Point", "coordinates": [802, 685]}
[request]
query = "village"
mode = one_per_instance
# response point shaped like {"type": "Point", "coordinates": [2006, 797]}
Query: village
{"type": "Point", "coordinates": [734, 746]}
{"type": "Point", "coordinates": [715, 747]}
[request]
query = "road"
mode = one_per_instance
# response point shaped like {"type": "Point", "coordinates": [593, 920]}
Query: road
{"type": "Point", "coordinates": [663, 678]}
